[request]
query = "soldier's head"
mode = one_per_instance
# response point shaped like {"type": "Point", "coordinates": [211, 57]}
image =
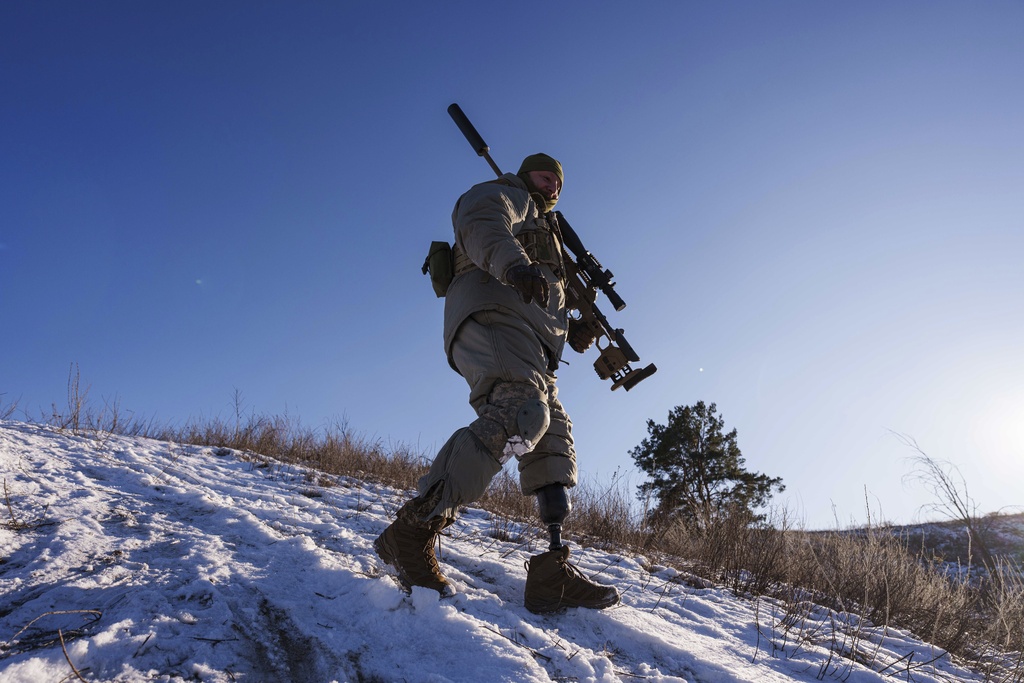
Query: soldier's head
{"type": "Point", "coordinates": [543, 176]}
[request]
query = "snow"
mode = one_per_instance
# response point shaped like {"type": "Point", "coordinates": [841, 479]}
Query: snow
{"type": "Point", "coordinates": [162, 562]}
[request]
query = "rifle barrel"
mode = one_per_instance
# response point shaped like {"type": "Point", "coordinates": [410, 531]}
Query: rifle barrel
{"type": "Point", "coordinates": [473, 137]}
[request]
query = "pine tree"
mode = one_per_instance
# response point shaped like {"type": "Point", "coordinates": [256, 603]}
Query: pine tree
{"type": "Point", "coordinates": [696, 471]}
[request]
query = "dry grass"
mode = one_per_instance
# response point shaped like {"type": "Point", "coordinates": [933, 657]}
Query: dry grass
{"type": "Point", "coordinates": [332, 450]}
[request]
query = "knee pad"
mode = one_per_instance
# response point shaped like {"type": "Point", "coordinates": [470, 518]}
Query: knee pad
{"type": "Point", "coordinates": [532, 422]}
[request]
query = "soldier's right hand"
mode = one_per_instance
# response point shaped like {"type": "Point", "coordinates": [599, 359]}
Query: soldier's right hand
{"type": "Point", "coordinates": [530, 282]}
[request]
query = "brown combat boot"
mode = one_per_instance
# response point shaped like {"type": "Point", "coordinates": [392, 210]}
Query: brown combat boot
{"type": "Point", "coordinates": [553, 584]}
{"type": "Point", "coordinates": [408, 546]}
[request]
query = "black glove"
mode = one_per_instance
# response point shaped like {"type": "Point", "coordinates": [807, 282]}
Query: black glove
{"type": "Point", "coordinates": [529, 281]}
{"type": "Point", "coordinates": [581, 335]}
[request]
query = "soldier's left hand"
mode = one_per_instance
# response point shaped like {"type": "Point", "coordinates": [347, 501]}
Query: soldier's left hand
{"type": "Point", "coordinates": [581, 335]}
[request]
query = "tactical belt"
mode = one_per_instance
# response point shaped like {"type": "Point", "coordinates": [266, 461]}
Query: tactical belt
{"type": "Point", "coordinates": [463, 264]}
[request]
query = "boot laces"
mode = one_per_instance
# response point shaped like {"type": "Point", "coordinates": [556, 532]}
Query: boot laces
{"type": "Point", "coordinates": [431, 557]}
{"type": "Point", "coordinates": [572, 571]}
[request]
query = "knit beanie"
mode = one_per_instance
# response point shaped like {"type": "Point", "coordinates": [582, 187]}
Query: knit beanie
{"type": "Point", "coordinates": [542, 162]}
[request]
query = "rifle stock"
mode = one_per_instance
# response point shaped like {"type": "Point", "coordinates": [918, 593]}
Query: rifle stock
{"type": "Point", "coordinates": [585, 277]}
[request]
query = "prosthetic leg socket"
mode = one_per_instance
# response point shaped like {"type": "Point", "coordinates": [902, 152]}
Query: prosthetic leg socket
{"type": "Point", "coordinates": [554, 505]}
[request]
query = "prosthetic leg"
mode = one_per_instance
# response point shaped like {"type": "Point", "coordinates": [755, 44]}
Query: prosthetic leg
{"type": "Point", "coordinates": [552, 582]}
{"type": "Point", "coordinates": [554, 505]}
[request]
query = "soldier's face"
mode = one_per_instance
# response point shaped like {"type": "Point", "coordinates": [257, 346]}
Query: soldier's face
{"type": "Point", "coordinates": [546, 182]}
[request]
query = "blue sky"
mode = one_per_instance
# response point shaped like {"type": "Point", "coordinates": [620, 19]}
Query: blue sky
{"type": "Point", "coordinates": [813, 210]}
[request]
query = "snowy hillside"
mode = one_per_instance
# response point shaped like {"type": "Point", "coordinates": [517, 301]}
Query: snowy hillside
{"type": "Point", "coordinates": [161, 562]}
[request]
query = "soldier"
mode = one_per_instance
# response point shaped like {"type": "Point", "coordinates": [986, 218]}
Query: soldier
{"type": "Point", "coordinates": [505, 326]}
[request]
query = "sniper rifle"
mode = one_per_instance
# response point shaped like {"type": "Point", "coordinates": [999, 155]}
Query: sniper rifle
{"type": "Point", "coordinates": [585, 277]}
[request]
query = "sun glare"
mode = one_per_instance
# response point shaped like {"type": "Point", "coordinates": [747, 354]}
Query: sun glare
{"type": "Point", "coordinates": [1001, 428]}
